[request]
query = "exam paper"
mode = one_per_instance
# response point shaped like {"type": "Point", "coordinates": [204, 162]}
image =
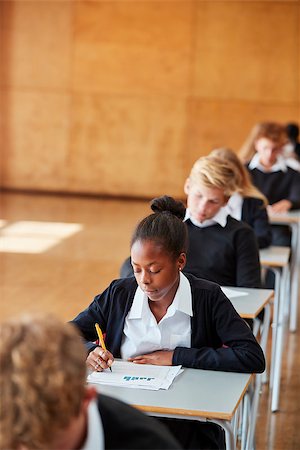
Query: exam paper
{"type": "Point", "coordinates": [142, 376]}
{"type": "Point", "coordinates": [230, 293]}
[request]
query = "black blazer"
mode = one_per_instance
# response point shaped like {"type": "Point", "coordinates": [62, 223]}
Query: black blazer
{"type": "Point", "coordinates": [255, 214]}
{"type": "Point", "coordinates": [127, 428]}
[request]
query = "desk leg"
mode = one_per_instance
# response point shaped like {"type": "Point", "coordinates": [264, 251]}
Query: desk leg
{"type": "Point", "coordinates": [264, 337]}
{"type": "Point", "coordinates": [277, 293]}
{"type": "Point", "coordinates": [295, 263]}
{"type": "Point", "coordinates": [278, 349]}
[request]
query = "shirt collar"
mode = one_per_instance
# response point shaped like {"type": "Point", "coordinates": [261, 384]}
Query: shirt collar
{"type": "Point", "coordinates": [234, 203]}
{"type": "Point", "coordinates": [220, 218]}
{"type": "Point", "coordinates": [182, 300]}
{"type": "Point", "coordinates": [95, 435]}
{"type": "Point", "coordinates": [279, 166]}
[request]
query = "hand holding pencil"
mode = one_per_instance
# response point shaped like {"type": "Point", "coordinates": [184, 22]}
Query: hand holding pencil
{"type": "Point", "coordinates": [100, 358]}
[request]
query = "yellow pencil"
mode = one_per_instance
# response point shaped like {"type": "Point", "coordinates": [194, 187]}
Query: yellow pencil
{"type": "Point", "coordinates": [100, 336]}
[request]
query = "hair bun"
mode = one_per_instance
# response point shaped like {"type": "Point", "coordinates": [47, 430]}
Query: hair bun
{"type": "Point", "coordinates": [166, 204]}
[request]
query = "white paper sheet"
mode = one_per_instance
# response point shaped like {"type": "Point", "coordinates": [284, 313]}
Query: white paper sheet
{"type": "Point", "coordinates": [142, 376]}
{"type": "Point", "coordinates": [230, 293]}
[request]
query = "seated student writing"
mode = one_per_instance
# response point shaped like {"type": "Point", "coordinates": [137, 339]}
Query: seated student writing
{"type": "Point", "coordinates": [161, 316]}
{"type": "Point", "coordinates": [247, 203]}
{"type": "Point", "coordinates": [221, 248]}
{"type": "Point", "coordinates": [45, 403]}
{"type": "Point", "coordinates": [271, 173]}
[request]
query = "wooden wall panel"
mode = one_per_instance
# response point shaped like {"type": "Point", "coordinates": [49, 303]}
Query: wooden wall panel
{"type": "Point", "coordinates": [38, 42]}
{"type": "Point", "coordinates": [127, 47]}
{"type": "Point", "coordinates": [120, 97]}
{"type": "Point", "coordinates": [36, 128]}
{"type": "Point", "coordinates": [127, 145]}
{"type": "Point", "coordinates": [247, 51]}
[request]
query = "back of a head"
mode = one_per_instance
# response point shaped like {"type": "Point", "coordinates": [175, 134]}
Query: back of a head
{"type": "Point", "coordinates": [165, 226]}
{"type": "Point", "coordinates": [215, 172]}
{"type": "Point", "coordinates": [273, 131]}
{"type": "Point", "coordinates": [42, 379]}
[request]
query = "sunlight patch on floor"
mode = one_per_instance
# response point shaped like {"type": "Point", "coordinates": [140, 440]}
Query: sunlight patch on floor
{"type": "Point", "coordinates": [33, 236]}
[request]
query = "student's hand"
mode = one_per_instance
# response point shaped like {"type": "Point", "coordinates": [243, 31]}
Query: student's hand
{"type": "Point", "coordinates": [280, 207]}
{"type": "Point", "coordinates": [99, 359]}
{"type": "Point", "coordinates": [159, 358]}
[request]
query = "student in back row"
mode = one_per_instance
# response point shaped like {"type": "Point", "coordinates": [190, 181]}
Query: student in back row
{"type": "Point", "coordinates": [161, 316]}
{"type": "Point", "coordinates": [221, 248]}
{"type": "Point", "coordinates": [247, 203]}
{"type": "Point", "coordinates": [271, 173]}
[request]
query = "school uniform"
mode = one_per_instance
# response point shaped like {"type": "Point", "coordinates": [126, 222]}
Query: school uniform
{"type": "Point", "coordinates": [219, 339]}
{"type": "Point", "coordinates": [252, 211]}
{"type": "Point", "coordinates": [112, 424]}
{"type": "Point", "coordinates": [279, 183]}
{"type": "Point", "coordinates": [223, 250]}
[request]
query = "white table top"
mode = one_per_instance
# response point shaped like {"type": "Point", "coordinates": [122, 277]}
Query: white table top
{"type": "Point", "coordinates": [194, 393]}
{"type": "Point", "coordinates": [274, 256]}
{"type": "Point", "coordinates": [249, 306]}
{"type": "Point", "coordinates": [286, 218]}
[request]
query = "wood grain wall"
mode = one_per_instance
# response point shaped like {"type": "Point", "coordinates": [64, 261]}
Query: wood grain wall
{"type": "Point", "coordinates": [120, 97]}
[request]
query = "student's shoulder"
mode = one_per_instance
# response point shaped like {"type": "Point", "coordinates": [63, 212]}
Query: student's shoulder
{"type": "Point", "coordinates": [237, 225]}
{"type": "Point", "coordinates": [200, 284]}
{"type": "Point", "coordinates": [126, 427]}
{"type": "Point", "coordinates": [123, 284]}
{"type": "Point", "coordinates": [253, 202]}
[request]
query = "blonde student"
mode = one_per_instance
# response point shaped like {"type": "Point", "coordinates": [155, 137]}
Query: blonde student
{"type": "Point", "coordinates": [45, 402]}
{"type": "Point", "coordinates": [162, 316]}
{"type": "Point", "coordinates": [247, 203]}
{"type": "Point", "coordinates": [221, 248]}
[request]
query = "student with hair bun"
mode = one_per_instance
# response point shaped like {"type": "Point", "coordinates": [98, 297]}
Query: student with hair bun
{"type": "Point", "coordinates": [162, 316]}
{"type": "Point", "coordinates": [247, 203]}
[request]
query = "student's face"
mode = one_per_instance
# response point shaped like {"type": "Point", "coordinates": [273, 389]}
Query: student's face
{"type": "Point", "coordinates": [268, 151]}
{"type": "Point", "coordinates": [203, 202]}
{"type": "Point", "coordinates": [155, 271]}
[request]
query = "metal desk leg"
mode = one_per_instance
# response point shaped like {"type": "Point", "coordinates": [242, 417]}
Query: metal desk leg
{"type": "Point", "coordinates": [277, 290]}
{"type": "Point", "coordinates": [278, 350]}
{"type": "Point", "coordinates": [295, 263]}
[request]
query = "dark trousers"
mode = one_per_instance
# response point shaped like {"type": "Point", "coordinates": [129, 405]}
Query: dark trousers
{"type": "Point", "coordinates": [192, 434]}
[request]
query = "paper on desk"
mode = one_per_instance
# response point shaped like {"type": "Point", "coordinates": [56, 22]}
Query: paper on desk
{"type": "Point", "coordinates": [142, 376]}
{"type": "Point", "coordinates": [230, 293]}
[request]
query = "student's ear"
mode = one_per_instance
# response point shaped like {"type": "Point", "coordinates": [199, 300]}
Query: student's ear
{"type": "Point", "coordinates": [226, 200]}
{"type": "Point", "coordinates": [181, 261]}
{"type": "Point", "coordinates": [90, 394]}
{"type": "Point", "coordinates": [187, 186]}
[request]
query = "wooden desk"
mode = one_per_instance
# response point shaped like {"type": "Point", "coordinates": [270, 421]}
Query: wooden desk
{"type": "Point", "coordinates": [195, 394]}
{"type": "Point", "coordinates": [292, 219]}
{"type": "Point", "coordinates": [277, 259]}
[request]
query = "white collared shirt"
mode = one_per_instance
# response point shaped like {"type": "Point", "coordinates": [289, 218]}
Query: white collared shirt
{"type": "Point", "coordinates": [234, 206]}
{"type": "Point", "coordinates": [95, 435]}
{"type": "Point", "coordinates": [280, 164]}
{"type": "Point", "coordinates": [142, 334]}
{"type": "Point", "coordinates": [220, 218]}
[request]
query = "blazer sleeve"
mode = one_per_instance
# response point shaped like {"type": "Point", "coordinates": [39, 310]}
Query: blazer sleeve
{"type": "Point", "coordinates": [248, 270]}
{"type": "Point", "coordinates": [257, 217]}
{"type": "Point", "coordinates": [294, 196]}
{"type": "Point", "coordinates": [227, 343]}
